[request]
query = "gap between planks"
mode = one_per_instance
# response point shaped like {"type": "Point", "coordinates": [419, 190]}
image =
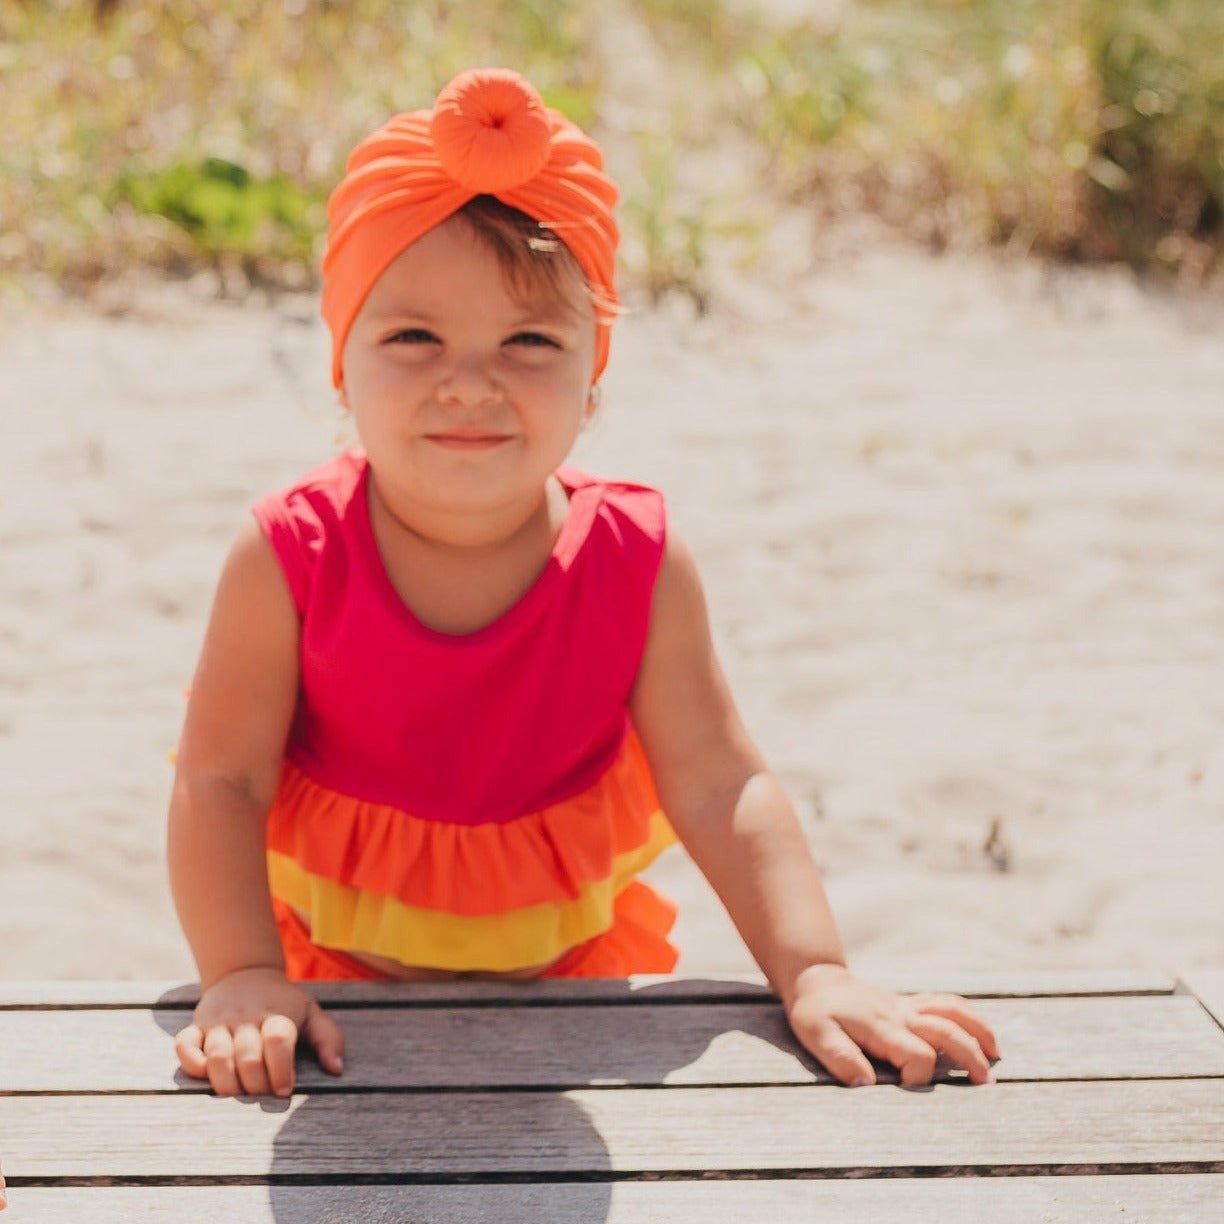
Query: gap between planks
{"type": "Point", "coordinates": [562, 1177]}
{"type": "Point", "coordinates": [739, 988]}
{"type": "Point", "coordinates": [1170, 1199]}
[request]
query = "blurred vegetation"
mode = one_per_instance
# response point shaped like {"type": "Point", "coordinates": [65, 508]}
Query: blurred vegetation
{"type": "Point", "coordinates": [206, 133]}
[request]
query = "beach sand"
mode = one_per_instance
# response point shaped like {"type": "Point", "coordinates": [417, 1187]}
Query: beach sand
{"type": "Point", "coordinates": [962, 530]}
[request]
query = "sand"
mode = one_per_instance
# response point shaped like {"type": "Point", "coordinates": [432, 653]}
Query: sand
{"type": "Point", "coordinates": [961, 525]}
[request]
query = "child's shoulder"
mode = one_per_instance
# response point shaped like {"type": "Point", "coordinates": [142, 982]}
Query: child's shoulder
{"type": "Point", "coordinates": [639, 501]}
{"type": "Point", "coordinates": [318, 511]}
{"type": "Point", "coordinates": [617, 517]}
{"type": "Point", "coordinates": [320, 496]}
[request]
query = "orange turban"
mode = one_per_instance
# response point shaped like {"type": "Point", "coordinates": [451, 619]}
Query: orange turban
{"type": "Point", "coordinates": [488, 134]}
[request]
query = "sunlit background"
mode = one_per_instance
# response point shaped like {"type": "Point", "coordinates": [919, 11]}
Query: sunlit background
{"type": "Point", "coordinates": [204, 134]}
{"type": "Point", "coordinates": [959, 518]}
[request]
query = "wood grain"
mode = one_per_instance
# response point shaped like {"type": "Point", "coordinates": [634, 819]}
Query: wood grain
{"type": "Point", "coordinates": [592, 1132]}
{"type": "Point", "coordinates": [1042, 1038]}
{"type": "Point", "coordinates": [1174, 1199]}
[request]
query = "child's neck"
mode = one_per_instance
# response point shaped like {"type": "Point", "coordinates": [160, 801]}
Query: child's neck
{"type": "Point", "coordinates": [458, 576]}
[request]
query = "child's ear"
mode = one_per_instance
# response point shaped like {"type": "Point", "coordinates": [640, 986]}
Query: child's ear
{"type": "Point", "coordinates": [592, 405]}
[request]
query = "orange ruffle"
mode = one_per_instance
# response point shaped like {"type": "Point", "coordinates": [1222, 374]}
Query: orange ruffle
{"type": "Point", "coordinates": [495, 897]}
{"type": "Point", "coordinates": [544, 857]}
{"type": "Point", "coordinates": [635, 943]}
{"type": "Point", "coordinates": [308, 962]}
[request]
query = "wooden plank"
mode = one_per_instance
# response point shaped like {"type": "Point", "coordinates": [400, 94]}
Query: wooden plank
{"type": "Point", "coordinates": [570, 1047]}
{"type": "Point", "coordinates": [1021, 984]}
{"type": "Point", "coordinates": [1207, 985]}
{"type": "Point", "coordinates": [1171, 1199]}
{"type": "Point", "coordinates": [678, 989]}
{"type": "Point", "coordinates": [464, 992]}
{"type": "Point", "coordinates": [1023, 1127]}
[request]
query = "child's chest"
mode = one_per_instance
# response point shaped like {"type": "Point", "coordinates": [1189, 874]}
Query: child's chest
{"type": "Point", "coordinates": [459, 596]}
{"type": "Point", "coordinates": [458, 590]}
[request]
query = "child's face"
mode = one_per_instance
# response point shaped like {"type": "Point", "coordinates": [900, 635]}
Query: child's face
{"type": "Point", "coordinates": [462, 392]}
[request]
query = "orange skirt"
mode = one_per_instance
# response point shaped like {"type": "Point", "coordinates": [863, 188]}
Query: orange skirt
{"type": "Point", "coordinates": [635, 943]}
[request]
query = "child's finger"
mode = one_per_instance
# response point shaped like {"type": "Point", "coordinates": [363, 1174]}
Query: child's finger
{"type": "Point", "coordinates": [280, 1037]}
{"type": "Point", "coordinates": [326, 1038]}
{"type": "Point", "coordinates": [838, 1053]}
{"type": "Point", "coordinates": [914, 1058]}
{"type": "Point", "coordinates": [189, 1046]}
{"type": "Point", "coordinates": [950, 1039]}
{"type": "Point", "coordinates": [953, 1008]}
{"type": "Point", "coordinates": [249, 1061]}
{"type": "Point", "coordinates": [219, 1053]}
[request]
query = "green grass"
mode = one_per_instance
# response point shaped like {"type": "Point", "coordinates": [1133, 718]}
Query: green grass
{"type": "Point", "coordinates": [1161, 67]}
{"type": "Point", "coordinates": [1082, 129]}
{"type": "Point", "coordinates": [190, 134]}
{"type": "Point", "coordinates": [206, 133]}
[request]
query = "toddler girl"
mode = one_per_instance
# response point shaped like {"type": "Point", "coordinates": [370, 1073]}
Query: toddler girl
{"type": "Point", "coordinates": [453, 695]}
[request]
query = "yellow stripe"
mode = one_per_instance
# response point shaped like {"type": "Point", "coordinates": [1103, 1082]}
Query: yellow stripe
{"type": "Point", "coordinates": [356, 921]}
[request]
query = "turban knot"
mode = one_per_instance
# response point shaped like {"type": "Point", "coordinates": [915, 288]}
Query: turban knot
{"type": "Point", "coordinates": [489, 133]}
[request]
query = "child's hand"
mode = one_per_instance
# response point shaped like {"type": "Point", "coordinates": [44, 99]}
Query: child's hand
{"type": "Point", "coordinates": [840, 1019]}
{"type": "Point", "coordinates": [245, 1030]}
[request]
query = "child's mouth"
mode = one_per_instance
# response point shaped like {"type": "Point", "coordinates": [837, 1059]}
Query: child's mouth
{"type": "Point", "coordinates": [467, 441]}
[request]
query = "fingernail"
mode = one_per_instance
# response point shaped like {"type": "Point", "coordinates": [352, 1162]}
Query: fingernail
{"type": "Point", "coordinates": [861, 1082]}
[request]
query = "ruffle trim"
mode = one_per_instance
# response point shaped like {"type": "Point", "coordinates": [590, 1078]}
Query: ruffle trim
{"type": "Point", "coordinates": [635, 943]}
{"type": "Point", "coordinates": [371, 878]}
{"type": "Point", "coordinates": [356, 921]}
{"type": "Point", "coordinates": [559, 855]}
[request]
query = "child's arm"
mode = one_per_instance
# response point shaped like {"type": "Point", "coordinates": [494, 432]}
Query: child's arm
{"type": "Point", "coordinates": [739, 827]}
{"type": "Point", "coordinates": [228, 767]}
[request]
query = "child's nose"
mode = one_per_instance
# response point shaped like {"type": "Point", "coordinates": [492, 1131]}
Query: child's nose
{"type": "Point", "coordinates": [468, 380]}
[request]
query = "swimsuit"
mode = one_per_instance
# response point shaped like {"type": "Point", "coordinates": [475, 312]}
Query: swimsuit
{"type": "Point", "coordinates": [472, 802]}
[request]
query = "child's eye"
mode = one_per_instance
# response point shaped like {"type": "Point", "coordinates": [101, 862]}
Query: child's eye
{"type": "Point", "coordinates": [531, 339]}
{"type": "Point", "coordinates": [413, 335]}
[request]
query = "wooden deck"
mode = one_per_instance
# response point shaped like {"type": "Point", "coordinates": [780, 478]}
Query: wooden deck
{"type": "Point", "coordinates": [661, 1100]}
